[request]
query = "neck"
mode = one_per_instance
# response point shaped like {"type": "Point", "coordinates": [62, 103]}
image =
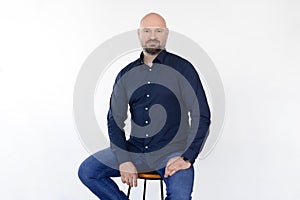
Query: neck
{"type": "Point", "coordinates": [148, 58]}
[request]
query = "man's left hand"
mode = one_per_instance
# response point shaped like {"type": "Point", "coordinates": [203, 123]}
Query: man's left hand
{"type": "Point", "coordinates": [175, 164]}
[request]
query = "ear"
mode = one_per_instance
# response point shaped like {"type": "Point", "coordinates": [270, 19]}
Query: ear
{"type": "Point", "coordinates": [138, 32]}
{"type": "Point", "coordinates": [167, 32]}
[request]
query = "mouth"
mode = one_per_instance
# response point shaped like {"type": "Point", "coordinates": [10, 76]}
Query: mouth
{"type": "Point", "coordinates": [152, 43]}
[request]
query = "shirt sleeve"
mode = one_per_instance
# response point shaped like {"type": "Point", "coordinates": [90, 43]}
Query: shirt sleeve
{"type": "Point", "coordinates": [116, 117]}
{"type": "Point", "coordinates": [199, 110]}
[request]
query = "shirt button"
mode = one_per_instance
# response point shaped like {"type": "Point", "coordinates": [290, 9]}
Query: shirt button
{"type": "Point", "coordinates": [150, 69]}
{"type": "Point", "coordinates": [146, 108]}
{"type": "Point", "coordinates": [148, 82]}
{"type": "Point", "coordinates": [147, 135]}
{"type": "Point", "coordinates": [146, 122]}
{"type": "Point", "coordinates": [147, 95]}
{"type": "Point", "coordinates": [146, 147]}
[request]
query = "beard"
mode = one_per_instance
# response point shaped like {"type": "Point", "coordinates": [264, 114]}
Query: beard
{"type": "Point", "coordinates": [152, 50]}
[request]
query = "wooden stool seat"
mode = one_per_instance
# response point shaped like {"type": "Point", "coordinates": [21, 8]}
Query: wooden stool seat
{"type": "Point", "coordinates": [149, 176]}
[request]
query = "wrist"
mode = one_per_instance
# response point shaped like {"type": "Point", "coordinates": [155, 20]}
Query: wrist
{"type": "Point", "coordinates": [188, 160]}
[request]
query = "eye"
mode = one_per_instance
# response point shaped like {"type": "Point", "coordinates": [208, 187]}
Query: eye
{"type": "Point", "coordinates": [146, 30]}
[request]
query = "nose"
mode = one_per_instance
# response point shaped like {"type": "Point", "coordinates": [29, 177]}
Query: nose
{"type": "Point", "coordinates": [152, 36]}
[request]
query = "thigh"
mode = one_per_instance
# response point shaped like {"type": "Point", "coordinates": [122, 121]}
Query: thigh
{"type": "Point", "coordinates": [101, 164]}
{"type": "Point", "coordinates": [180, 185]}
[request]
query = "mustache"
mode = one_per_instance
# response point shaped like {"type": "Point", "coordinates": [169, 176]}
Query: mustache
{"type": "Point", "coordinates": [152, 40]}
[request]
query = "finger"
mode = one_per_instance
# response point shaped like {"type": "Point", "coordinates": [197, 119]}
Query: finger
{"type": "Point", "coordinates": [167, 172]}
{"type": "Point", "coordinates": [173, 172]}
{"type": "Point", "coordinates": [126, 179]}
{"type": "Point", "coordinates": [123, 179]}
{"type": "Point", "coordinates": [135, 180]}
{"type": "Point", "coordinates": [129, 182]}
{"type": "Point", "coordinates": [172, 167]}
{"type": "Point", "coordinates": [170, 162]}
{"type": "Point", "coordinates": [131, 179]}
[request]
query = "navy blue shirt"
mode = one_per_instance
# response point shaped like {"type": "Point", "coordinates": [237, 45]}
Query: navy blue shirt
{"type": "Point", "coordinates": [168, 108]}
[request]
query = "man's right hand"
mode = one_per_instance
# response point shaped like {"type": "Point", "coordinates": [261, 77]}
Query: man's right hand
{"type": "Point", "coordinates": [128, 174]}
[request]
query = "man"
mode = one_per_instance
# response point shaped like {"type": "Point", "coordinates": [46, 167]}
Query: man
{"type": "Point", "coordinates": [166, 140]}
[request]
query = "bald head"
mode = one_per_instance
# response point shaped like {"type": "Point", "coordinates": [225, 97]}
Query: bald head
{"type": "Point", "coordinates": [153, 33]}
{"type": "Point", "coordinates": [153, 20]}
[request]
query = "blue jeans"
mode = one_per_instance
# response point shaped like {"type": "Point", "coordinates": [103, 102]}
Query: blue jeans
{"type": "Point", "coordinates": [97, 177]}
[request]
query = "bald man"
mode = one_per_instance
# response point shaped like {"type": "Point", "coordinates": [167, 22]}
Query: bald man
{"type": "Point", "coordinates": [169, 148]}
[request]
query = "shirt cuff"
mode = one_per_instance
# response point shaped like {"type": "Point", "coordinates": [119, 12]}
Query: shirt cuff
{"type": "Point", "coordinates": [189, 155]}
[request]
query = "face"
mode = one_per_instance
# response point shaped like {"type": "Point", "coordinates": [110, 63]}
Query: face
{"type": "Point", "coordinates": [153, 34]}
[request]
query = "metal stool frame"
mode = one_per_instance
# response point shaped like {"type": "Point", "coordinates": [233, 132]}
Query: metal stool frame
{"type": "Point", "coordinates": [149, 176]}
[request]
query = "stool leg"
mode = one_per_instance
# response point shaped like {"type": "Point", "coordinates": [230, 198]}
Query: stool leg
{"type": "Point", "coordinates": [144, 193]}
{"type": "Point", "coordinates": [161, 190]}
{"type": "Point", "coordinates": [128, 192]}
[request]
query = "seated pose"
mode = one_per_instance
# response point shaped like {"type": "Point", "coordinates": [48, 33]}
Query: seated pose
{"type": "Point", "coordinates": [170, 118]}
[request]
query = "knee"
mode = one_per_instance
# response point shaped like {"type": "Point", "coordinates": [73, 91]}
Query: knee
{"type": "Point", "coordinates": [91, 169]}
{"type": "Point", "coordinates": [84, 173]}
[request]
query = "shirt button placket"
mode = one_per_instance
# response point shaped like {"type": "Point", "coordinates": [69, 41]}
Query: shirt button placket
{"type": "Point", "coordinates": [146, 108]}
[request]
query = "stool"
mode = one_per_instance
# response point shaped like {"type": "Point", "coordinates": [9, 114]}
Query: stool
{"type": "Point", "coordinates": [149, 176]}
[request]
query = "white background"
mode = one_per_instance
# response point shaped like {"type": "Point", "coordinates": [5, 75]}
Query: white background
{"type": "Point", "coordinates": [254, 45]}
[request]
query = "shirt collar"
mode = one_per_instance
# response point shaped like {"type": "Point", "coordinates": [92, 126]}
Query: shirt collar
{"type": "Point", "coordinates": [158, 59]}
